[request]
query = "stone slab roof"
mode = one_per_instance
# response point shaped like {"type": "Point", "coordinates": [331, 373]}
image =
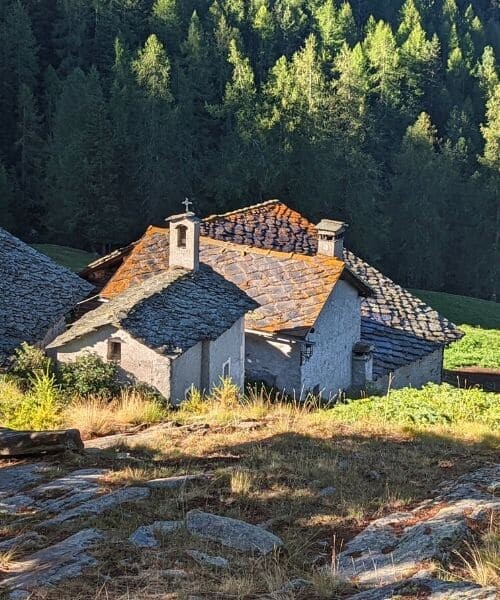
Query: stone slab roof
{"type": "Point", "coordinates": [393, 348]}
{"type": "Point", "coordinates": [169, 312]}
{"type": "Point", "coordinates": [291, 289]}
{"type": "Point", "coordinates": [35, 293]}
{"type": "Point", "coordinates": [274, 226]}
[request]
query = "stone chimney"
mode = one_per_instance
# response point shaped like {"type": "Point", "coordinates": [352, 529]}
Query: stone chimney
{"type": "Point", "coordinates": [362, 365]}
{"type": "Point", "coordinates": [331, 237]}
{"type": "Point", "coordinates": [184, 250]}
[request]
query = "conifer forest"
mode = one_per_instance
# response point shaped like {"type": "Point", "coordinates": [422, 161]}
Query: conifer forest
{"type": "Point", "coordinates": [382, 113]}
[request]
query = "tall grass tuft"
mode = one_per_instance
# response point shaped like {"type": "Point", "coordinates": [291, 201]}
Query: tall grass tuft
{"type": "Point", "coordinates": [481, 559]}
{"type": "Point", "coordinates": [40, 407]}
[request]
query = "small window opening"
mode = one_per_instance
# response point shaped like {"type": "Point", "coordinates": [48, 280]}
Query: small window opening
{"type": "Point", "coordinates": [226, 369]}
{"type": "Point", "coordinates": [181, 236]}
{"type": "Point", "coordinates": [114, 351]}
{"type": "Point", "coordinates": [306, 351]}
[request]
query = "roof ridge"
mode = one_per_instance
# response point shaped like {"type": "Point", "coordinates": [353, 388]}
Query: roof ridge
{"type": "Point", "coordinates": [243, 209]}
{"type": "Point", "coordinates": [270, 252]}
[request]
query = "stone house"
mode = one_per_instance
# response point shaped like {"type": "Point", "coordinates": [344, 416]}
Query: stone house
{"type": "Point", "coordinates": [36, 295]}
{"type": "Point", "coordinates": [180, 328]}
{"type": "Point", "coordinates": [287, 264]}
{"type": "Point", "coordinates": [301, 336]}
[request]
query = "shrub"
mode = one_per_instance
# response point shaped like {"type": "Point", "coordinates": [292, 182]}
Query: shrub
{"type": "Point", "coordinates": [40, 407]}
{"type": "Point", "coordinates": [88, 375]}
{"type": "Point", "coordinates": [29, 360]}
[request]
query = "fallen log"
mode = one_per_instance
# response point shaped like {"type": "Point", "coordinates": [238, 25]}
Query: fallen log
{"type": "Point", "coordinates": [21, 443]}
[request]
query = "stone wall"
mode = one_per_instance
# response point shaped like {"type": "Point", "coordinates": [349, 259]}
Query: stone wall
{"type": "Point", "coordinates": [336, 330]}
{"type": "Point", "coordinates": [274, 361]}
{"type": "Point", "coordinates": [186, 372]}
{"type": "Point", "coordinates": [170, 377]}
{"type": "Point", "coordinates": [138, 362]}
{"type": "Point", "coordinates": [415, 374]}
{"type": "Point", "coordinates": [230, 345]}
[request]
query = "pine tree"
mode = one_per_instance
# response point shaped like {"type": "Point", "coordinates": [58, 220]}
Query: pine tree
{"type": "Point", "coordinates": [18, 67]}
{"type": "Point", "coordinates": [410, 20]}
{"type": "Point", "coordinates": [415, 197]}
{"type": "Point", "coordinates": [165, 21]}
{"type": "Point", "coordinates": [6, 199]}
{"type": "Point", "coordinates": [384, 59]}
{"type": "Point", "coordinates": [487, 72]}
{"type": "Point", "coordinates": [491, 205]}
{"type": "Point", "coordinates": [154, 127]}
{"type": "Point", "coordinates": [82, 201]}
{"type": "Point", "coordinates": [420, 64]}
{"type": "Point", "coordinates": [197, 130]}
{"type": "Point", "coordinates": [28, 150]}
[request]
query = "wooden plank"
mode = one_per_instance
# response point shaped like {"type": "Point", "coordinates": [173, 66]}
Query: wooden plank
{"type": "Point", "coordinates": [21, 443]}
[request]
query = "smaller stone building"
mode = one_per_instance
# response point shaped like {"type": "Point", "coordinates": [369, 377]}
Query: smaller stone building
{"type": "Point", "coordinates": [178, 329]}
{"type": "Point", "coordinates": [36, 295]}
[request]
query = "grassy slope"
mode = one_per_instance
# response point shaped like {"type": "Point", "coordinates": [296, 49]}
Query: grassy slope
{"type": "Point", "coordinates": [463, 310]}
{"type": "Point", "coordinates": [479, 319]}
{"type": "Point", "coordinates": [72, 258]}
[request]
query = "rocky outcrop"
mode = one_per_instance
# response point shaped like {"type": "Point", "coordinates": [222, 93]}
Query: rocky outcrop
{"type": "Point", "coordinates": [232, 533]}
{"type": "Point", "coordinates": [99, 505]}
{"type": "Point", "coordinates": [56, 495]}
{"type": "Point", "coordinates": [430, 589]}
{"type": "Point", "coordinates": [63, 560]}
{"type": "Point", "coordinates": [395, 547]}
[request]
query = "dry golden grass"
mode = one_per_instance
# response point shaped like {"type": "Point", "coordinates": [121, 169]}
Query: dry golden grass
{"type": "Point", "coordinates": [268, 474]}
{"type": "Point", "coordinates": [481, 558]}
{"type": "Point", "coordinates": [97, 416]}
{"type": "Point", "coordinates": [92, 416]}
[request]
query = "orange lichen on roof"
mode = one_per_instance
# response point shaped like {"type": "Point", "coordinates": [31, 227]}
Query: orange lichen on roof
{"type": "Point", "coordinates": [291, 288]}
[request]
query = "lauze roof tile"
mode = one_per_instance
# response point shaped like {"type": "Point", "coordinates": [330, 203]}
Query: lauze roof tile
{"type": "Point", "coordinates": [35, 293]}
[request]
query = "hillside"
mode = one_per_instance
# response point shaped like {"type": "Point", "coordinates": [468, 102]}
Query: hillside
{"type": "Point", "coordinates": [72, 258]}
{"type": "Point", "coordinates": [146, 515]}
{"type": "Point", "coordinates": [463, 310]}
{"type": "Point", "coordinates": [383, 114]}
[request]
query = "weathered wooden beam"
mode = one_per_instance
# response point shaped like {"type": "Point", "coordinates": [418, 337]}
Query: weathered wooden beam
{"type": "Point", "coordinates": [20, 443]}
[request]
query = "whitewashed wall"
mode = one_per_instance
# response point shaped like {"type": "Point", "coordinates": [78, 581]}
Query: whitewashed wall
{"type": "Point", "coordinates": [275, 362]}
{"type": "Point", "coordinates": [416, 374]}
{"type": "Point", "coordinates": [137, 361]}
{"type": "Point", "coordinates": [170, 377]}
{"type": "Point", "coordinates": [337, 329]}
{"type": "Point", "coordinates": [230, 345]}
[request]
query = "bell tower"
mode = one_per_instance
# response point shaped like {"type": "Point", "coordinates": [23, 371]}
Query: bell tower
{"type": "Point", "coordinates": [184, 247]}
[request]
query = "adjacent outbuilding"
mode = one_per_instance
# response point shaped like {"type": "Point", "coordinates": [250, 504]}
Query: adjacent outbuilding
{"type": "Point", "coordinates": [36, 295]}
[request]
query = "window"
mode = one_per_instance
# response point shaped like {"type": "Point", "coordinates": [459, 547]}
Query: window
{"type": "Point", "coordinates": [114, 351]}
{"type": "Point", "coordinates": [226, 369]}
{"type": "Point", "coordinates": [306, 351]}
{"type": "Point", "coordinates": [181, 236]}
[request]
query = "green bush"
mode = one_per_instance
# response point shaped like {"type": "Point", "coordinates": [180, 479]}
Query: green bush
{"type": "Point", "coordinates": [39, 408]}
{"type": "Point", "coordinates": [431, 405]}
{"type": "Point", "coordinates": [29, 360]}
{"type": "Point", "coordinates": [88, 375]}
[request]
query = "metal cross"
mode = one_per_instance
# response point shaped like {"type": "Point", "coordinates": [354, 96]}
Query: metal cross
{"type": "Point", "coordinates": [186, 203]}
